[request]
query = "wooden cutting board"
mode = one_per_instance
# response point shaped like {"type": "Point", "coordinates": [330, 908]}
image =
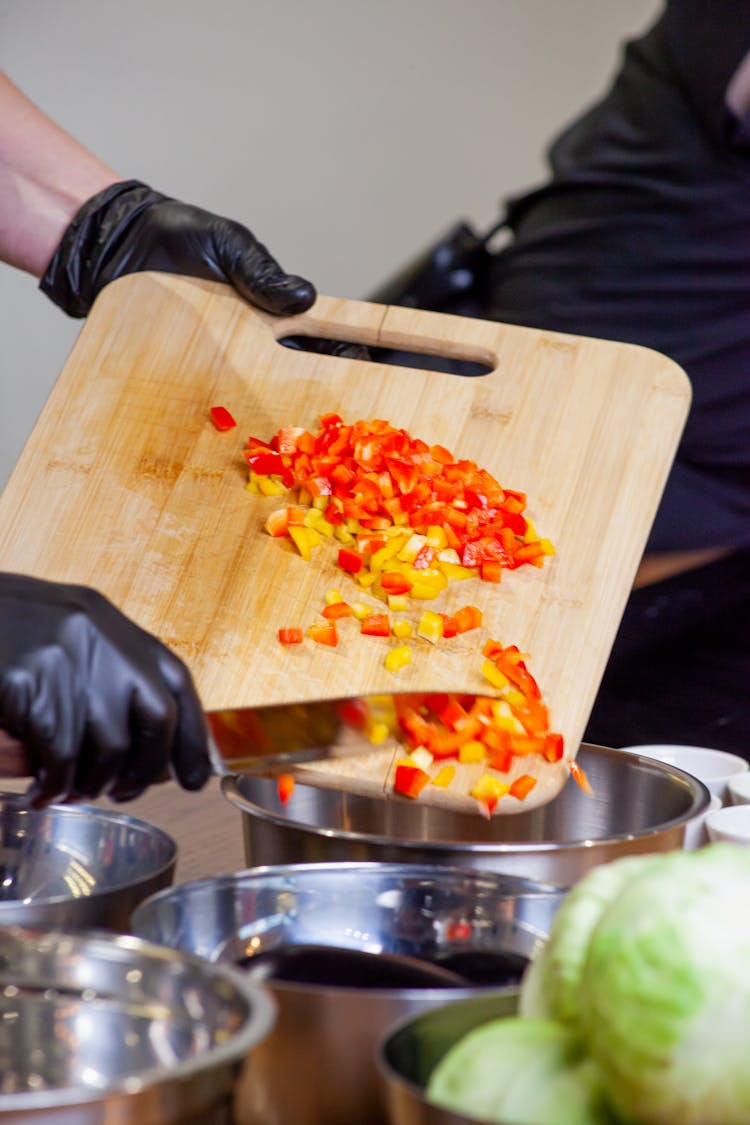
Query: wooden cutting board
{"type": "Point", "coordinates": [124, 484]}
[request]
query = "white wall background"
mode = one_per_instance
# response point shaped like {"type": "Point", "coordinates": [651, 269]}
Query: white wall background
{"type": "Point", "coordinates": [347, 133]}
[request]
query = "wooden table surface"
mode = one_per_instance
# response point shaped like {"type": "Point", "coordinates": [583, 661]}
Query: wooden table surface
{"type": "Point", "coordinates": [206, 827]}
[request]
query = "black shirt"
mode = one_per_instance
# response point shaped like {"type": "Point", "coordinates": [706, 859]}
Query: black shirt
{"type": "Point", "coordinates": [642, 235]}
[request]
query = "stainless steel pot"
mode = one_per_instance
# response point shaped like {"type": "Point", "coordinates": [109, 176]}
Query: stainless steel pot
{"type": "Point", "coordinates": [639, 805]}
{"type": "Point", "coordinates": [412, 1050]}
{"type": "Point", "coordinates": [318, 1065]}
{"type": "Point", "coordinates": [100, 1029]}
{"type": "Point", "coordinates": [75, 867]}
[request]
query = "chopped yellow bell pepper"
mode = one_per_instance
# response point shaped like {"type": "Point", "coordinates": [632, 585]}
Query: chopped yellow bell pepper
{"type": "Point", "coordinates": [377, 733]}
{"type": "Point", "coordinates": [412, 547]}
{"type": "Point", "coordinates": [267, 486]}
{"type": "Point", "coordinates": [427, 584]}
{"type": "Point", "coordinates": [430, 626]}
{"type": "Point", "coordinates": [397, 603]}
{"type": "Point", "coordinates": [305, 539]}
{"type": "Point", "coordinates": [493, 674]}
{"type": "Point", "coordinates": [472, 751]}
{"type": "Point", "coordinates": [397, 658]}
{"type": "Point", "coordinates": [454, 572]}
{"type": "Point", "coordinates": [444, 777]}
{"type": "Point", "coordinates": [489, 790]}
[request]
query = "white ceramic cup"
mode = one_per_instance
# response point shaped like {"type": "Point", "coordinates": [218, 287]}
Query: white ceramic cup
{"type": "Point", "coordinates": [713, 767]}
{"type": "Point", "coordinates": [729, 825]}
{"type": "Point", "coordinates": [695, 830]}
{"type": "Point", "coordinates": [739, 788]}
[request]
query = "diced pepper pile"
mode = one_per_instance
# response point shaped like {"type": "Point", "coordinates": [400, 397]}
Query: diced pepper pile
{"type": "Point", "coordinates": [473, 729]}
{"type": "Point", "coordinates": [409, 518]}
{"type": "Point", "coordinates": [439, 730]}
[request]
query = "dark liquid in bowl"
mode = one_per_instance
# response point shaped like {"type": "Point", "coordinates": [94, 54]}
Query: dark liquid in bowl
{"type": "Point", "coordinates": [482, 967]}
{"type": "Point", "coordinates": [351, 968]}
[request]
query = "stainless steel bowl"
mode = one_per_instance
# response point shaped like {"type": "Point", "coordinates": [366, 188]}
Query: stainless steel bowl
{"type": "Point", "coordinates": [639, 805]}
{"type": "Point", "coordinates": [75, 867]}
{"type": "Point", "coordinates": [102, 1028]}
{"type": "Point", "coordinates": [412, 1050]}
{"type": "Point", "coordinates": [318, 1065]}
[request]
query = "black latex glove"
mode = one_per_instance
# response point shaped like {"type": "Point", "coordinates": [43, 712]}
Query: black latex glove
{"type": "Point", "coordinates": [128, 228]}
{"type": "Point", "coordinates": [100, 705]}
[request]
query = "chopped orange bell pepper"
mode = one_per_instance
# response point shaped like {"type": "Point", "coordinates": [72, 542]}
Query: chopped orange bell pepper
{"type": "Point", "coordinates": [324, 632]}
{"type": "Point", "coordinates": [522, 786]}
{"type": "Point", "coordinates": [337, 610]}
{"type": "Point", "coordinates": [284, 787]}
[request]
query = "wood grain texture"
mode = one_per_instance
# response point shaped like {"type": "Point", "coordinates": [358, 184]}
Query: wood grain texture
{"type": "Point", "coordinates": [125, 485]}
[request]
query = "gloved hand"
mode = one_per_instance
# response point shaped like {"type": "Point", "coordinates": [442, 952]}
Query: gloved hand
{"type": "Point", "coordinates": [128, 228]}
{"type": "Point", "coordinates": [100, 705]}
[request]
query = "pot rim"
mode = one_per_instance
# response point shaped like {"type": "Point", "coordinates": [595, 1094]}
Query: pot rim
{"type": "Point", "coordinates": [85, 811]}
{"type": "Point", "coordinates": [262, 1011]}
{"type": "Point", "coordinates": [532, 887]}
{"type": "Point", "coordinates": [230, 786]}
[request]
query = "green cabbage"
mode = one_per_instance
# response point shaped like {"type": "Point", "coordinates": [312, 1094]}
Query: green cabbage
{"type": "Point", "coordinates": [665, 991]}
{"type": "Point", "coordinates": [637, 1006]}
{"type": "Point", "coordinates": [551, 986]}
{"type": "Point", "coordinates": [520, 1072]}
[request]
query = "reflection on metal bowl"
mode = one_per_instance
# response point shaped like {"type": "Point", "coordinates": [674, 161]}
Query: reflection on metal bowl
{"type": "Point", "coordinates": [75, 867]}
{"type": "Point", "coordinates": [100, 1028]}
{"type": "Point", "coordinates": [412, 1050]}
{"type": "Point", "coordinates": [318, 1065]}
{"type": "Point", "coordinates": [639, 805]}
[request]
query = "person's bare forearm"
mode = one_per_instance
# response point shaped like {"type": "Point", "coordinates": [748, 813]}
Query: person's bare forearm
{"type": "Point", "coordinates": [45, 176]}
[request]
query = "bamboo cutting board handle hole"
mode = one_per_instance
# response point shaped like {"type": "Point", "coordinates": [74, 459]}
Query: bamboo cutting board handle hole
{"type": "Point", "coordinates": [396, 357]}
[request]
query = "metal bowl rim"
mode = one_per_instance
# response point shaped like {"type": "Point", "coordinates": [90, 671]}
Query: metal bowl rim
{"type": "Point", "coordinates": [390, 1076]}
{"type": "Point", "coordinates": [699, 804]}
{"type": "Point", "coordinates": [238, 879]}
{"type": "Point", "coordinates": [417, 870]}
{"type": "Point", "coordinates": [262, 1015]}
{"type": "Point", "coordinates": [123, 820]}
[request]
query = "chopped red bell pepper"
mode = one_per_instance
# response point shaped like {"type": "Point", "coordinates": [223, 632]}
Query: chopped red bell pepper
{"type": "Point", "coordinates": [450, 626]}
{"type": "Point", "coordinates": [553, 746]}
{"type": "Point", "coordinates": [502, 759]}
{"type": "Point", "coordinates": [409, 781]}
{"type": "Point", "coordinates": [284, 787]}
{"type": "Point", "coordinates": [376, 625]}
{"type": "Point", "coordinates": [449, 711]}
{"type": "Point", "coordinates": [291, 636]}
{"type": "Point", "coordinates": [353, 713]}
{"type": "Point", "coordinates": [221, 418]}
{"type": "Point", "coordinates": [349, 560]}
